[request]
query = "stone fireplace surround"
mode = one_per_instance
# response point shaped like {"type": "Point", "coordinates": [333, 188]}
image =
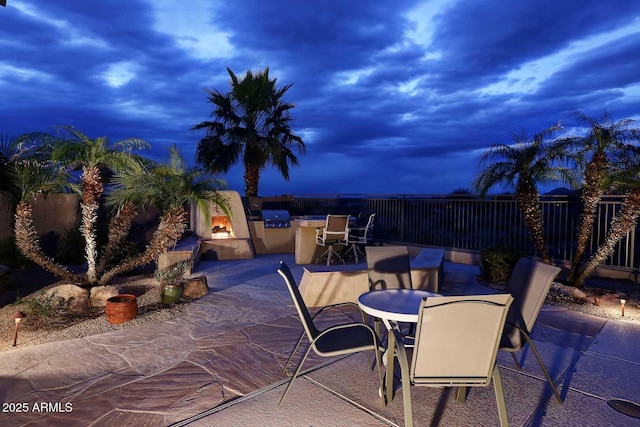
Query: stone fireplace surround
{"type": "Point", "coordinates": [231, 239]}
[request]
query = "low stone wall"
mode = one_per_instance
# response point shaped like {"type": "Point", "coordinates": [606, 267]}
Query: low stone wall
{"type": "Point", "coordinates": [189, 247]}
{"type": "Point", "coordinates": [323, 285]}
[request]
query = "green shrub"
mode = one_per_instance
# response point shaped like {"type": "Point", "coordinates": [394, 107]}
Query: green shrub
{"type": "Point", "coordinates": [498, 262]}
{"type": "Point", "coordinates": [174, 274]}
{"type": "Point", "coordinates": [10, 255]}
{"type": "Point", "coordinates": [40, 310]}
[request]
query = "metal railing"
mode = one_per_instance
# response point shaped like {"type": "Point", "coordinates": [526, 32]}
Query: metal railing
{"type": "Point", "coordinates": [472, 223]}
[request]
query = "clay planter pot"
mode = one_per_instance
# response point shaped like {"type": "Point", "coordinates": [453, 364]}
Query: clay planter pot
{"type": "Point", "coordinates": [121, 308]}
{"type": "Point", "coordinates": [171, 294]}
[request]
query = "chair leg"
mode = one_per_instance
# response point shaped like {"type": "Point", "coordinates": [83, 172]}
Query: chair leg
{"type": "Point", "coordinates": [286, 365]}
{"type": "Point", "coordinates": [286, 391]}
{"type": "Point", "coordinates": [322, 255]}
{"type": "Point", "coordinates": [353, 248]}
{"type": "Point", "coordinates": [331, 253]}
{"type": "Point", "coordinates": [337, 255]}
{"type": "Point", "coordinates": [544, 370]}
{"type": "Point", "coordinates": [406, 383]}
{"type": "Point", "coordinates": [497, 387]}
{"type": "Point", "coordinates": [391, 349]}
{"type": "Point", "coordinates": [378, 367]}
{"type": "Point", "coordinates": [461, 394]}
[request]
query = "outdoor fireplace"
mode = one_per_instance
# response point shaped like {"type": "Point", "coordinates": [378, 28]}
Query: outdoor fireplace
{"type": "Point", "coordinates": [224, 237]}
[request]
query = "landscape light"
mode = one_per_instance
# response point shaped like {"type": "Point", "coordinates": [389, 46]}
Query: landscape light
{"type": "Point", "coordinates": [17, 317]}
{"type": "Point", "coordinates": [622, 303]}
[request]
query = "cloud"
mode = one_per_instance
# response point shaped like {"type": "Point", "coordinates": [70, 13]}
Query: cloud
{"type": "Point", "coordinates": [391, 97]}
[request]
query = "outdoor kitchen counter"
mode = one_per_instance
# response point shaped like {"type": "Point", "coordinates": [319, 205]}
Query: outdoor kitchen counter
{"type": "Point", "coordinates": [306, 249]}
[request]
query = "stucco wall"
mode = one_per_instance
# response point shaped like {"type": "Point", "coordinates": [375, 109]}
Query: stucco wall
{"type": "Point", "coordinates": [56, 212]}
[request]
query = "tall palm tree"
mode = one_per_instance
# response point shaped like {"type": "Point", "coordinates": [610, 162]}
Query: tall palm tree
{"type": "Point", "coordinates": [252, 123]}
{"type": "Point", "coordinates": [522, 166]}
{"type": "Point", "coordinates": [626, 176]}
{"type": "Point", "coordinates": [604, 138]}
{"type": "Point", "coordinates": [167, 187]}
{"type": "Point", "coordinates": [92, 156]}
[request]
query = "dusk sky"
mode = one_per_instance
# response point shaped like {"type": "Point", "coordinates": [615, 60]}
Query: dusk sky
{"type": "Point", "coordinates": [391, 96]}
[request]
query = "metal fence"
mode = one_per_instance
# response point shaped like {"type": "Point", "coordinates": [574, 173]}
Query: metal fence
{"type": "Point", "coordinates": [468, 222]}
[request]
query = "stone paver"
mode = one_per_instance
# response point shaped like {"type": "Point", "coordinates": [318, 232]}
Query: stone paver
{"type": "Point", "coordinates": [221, 364]}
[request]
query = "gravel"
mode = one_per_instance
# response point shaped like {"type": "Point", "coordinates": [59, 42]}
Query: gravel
{"type": "Point", "coordinates": [55, 325]}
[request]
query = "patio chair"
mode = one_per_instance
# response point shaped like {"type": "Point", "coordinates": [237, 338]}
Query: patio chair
{"type": "Point", "coordinates": [456, 345]}
{"type": "Point", "coordinates": [359, 236]}
{"type": "Point", "coordinates": [334, 232]}
{"type": "Point", "coordinates": [336, 340]}
{"type": "Point", "coordinates": [529, 284]}
{"type": "Point", "coordinates": [388, 268]}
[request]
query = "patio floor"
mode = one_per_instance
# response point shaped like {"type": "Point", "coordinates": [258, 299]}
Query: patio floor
{"type": "Point", "coordinates": [220, 365]}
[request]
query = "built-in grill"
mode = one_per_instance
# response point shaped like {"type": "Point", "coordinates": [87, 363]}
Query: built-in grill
{"type": "Point", "coordinates": [274, 218]}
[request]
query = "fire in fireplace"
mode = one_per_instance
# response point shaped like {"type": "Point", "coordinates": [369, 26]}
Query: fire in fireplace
{"type": "Point", "coordinates": [221, 227]}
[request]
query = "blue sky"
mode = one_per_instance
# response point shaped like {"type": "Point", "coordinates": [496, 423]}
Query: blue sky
{"type": "Point", "coordinates": [391, 97]}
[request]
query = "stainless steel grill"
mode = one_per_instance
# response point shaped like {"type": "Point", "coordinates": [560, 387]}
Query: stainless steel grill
{"type": "Point", "coordinates": [276, 218]}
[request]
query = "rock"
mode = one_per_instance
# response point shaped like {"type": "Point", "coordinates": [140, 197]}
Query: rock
{"type": "Point", "coordinates": [69, 297]}
{"type": "Point", "coordinates": [100, 294]}
{"type": "Point", "coordinates": [570, 291]}
{"type": "Point", "coordinates": [195, 287]}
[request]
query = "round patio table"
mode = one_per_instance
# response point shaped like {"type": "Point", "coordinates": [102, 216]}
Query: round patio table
{"type": "Point", "coordinates": [394, 305]}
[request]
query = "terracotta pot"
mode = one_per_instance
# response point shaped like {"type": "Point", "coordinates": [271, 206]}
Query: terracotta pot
{"type": "Point", "coordinates": [121, 308]}
{"type": "Point", "coordinates": [171, 294]}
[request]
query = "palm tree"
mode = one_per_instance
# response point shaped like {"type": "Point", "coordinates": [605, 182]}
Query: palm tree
{"type": "Point", "coordinates": [604, 138]}
{"type": "Point", "coordinates": [33, 178]}
{"type": "Point", "coordinates": [626, 176]}
{"type": "Point", "coordinates": [523, 165]}
{"type": "Point", "coordinates": [252, 123]}
{"type": "Point", "coordinates": [93, 155]}
{"type": "Point", "coordinates": [167, 187]}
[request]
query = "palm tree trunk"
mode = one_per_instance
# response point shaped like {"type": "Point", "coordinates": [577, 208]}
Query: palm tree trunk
{"type": "Point", "coordinates": [118, 231]}
{"type": "Point", "coordinates": [251, 181]}
{"type": "Point", "coordinates": [592, 192]}
{"type": "Point", "coordinates": [528, 200]}
{"type": "Point", "coordinates": [171, 227]}
{"type": "Point", "coordinates": [590, 200]}
{"type": "Point", "coordinates": [29, 244]}
{"type": "Point", "coordinates": [620, 226]}
{"type": "Point", "coordinates": [92, 190]}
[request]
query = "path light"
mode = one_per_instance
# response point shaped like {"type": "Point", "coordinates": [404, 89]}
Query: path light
{"type": "Point", "coordinates": [17, 316]}
{"type": "Point", "coordinates": [622, 303]}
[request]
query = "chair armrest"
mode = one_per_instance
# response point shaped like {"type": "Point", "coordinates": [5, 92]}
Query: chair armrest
{"type": "Point", "coordinates": [340, 304]}
{"type": "Point", "coordinates": [375, 337]}
{"type": "Point", "coordinates": [520, 328]}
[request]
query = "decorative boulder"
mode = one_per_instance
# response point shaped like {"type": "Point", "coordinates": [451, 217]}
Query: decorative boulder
{"type": "Point", "coordinates": [100, 294]}
{"type": "Point", "coordinates": [570, 291]}
{"type": "Point", "coordinates": [195, 287]}
{"type": "Point", "coordinates": [71, 298]}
